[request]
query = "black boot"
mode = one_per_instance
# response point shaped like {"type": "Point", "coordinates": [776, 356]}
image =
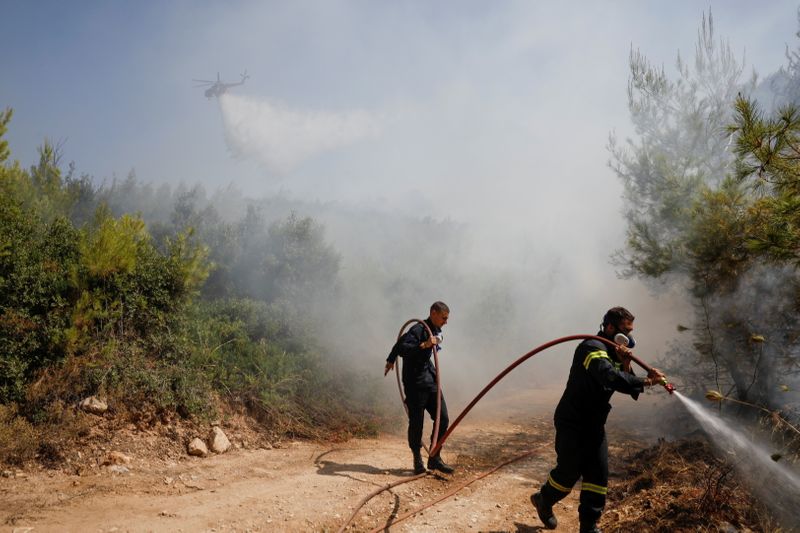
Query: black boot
{"type": "Point", "coordinates": [544, 511]}
{"type": "Point", "coordinates": [436, 463]}
{"type": "Point", "coordinates": [419, 466]}
{"type": "Point", "coordinates": [589, 527]}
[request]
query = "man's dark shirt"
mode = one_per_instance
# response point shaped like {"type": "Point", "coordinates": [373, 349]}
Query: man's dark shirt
{"type": "Point", "coordinates": [418, 369]}
{"type": "Point", "coordinates": [595, 375]}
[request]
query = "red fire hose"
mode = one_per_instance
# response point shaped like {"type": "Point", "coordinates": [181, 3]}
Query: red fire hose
{"type": "Point", "coordinates": [435, 449]}
{"type": "Point", "coordinates": [449, 493]}
{"type": "Point", "coordinates": [436, 446]}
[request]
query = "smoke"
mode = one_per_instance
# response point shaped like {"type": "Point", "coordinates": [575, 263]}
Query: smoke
{"type": "Point", "coordinates": [761, 355]}
{"type": "Point", "coordinates": [281, 138]}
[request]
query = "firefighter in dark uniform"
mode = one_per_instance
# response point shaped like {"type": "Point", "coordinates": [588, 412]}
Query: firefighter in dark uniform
{"type": "Point", "coordinates": [597, 371]}
{"type": "Point", "coordinates": [419, 382]}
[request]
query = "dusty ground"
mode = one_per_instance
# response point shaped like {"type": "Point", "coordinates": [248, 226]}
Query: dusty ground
{"type": "Point", "coordinates": [305, 486]}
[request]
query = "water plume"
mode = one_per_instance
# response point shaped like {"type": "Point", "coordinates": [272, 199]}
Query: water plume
{"type": "Point", "coordinates": [281, 138]}
{"type": "Point", "coordinates": [776, 485]}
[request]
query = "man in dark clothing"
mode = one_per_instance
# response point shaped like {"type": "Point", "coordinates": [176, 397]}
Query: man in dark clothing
{"type": "Point", "coordinates": [419, 382]}
{"type": "Point", "coordinates": [582, 450]}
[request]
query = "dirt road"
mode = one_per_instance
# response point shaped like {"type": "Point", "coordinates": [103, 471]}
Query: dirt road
{"type": "Point", "coordinates": [302, 487]}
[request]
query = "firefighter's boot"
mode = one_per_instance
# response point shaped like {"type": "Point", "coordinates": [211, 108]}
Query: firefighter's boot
{"type": "Point", "coordinates": [436, 463]}
{"type": "Point", "coordinates": [544, 511]}
{"type": "Point", "coordinates": [589, 527]}
{"type": "Point", "coordinates": [419, 466]}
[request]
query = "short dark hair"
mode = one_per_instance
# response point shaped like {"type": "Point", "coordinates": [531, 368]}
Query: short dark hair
{"type": "Point", "coordinates": [439, 307]}
{"type": "Point", "coordinates": [616, 315]}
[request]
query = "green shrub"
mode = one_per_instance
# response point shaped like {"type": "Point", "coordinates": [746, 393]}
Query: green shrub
{"type": "Point", "coordinates": [106, 309]}
{"type": "Point", "coordinates": [36, 291]}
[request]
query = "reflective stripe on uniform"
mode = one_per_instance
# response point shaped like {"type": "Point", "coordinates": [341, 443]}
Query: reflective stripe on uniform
{"type": "Point", "coordinates": [599, 354]}
{"type": "Point", "coordinates": [558, 486]}
{"type": "Point", "coordinates": [591, 487]}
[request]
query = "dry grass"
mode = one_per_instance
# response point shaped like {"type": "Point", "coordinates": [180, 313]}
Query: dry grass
{"type": "Point", "coordinates": [19, 439]}
{"type": "Point", "coordinates": [680, 486]}
{"type": "Point", "coordinates": [53, 429]}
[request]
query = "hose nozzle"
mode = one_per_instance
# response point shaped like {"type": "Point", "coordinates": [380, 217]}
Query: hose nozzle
{"type": "Point", "coordinates": [667, 385]}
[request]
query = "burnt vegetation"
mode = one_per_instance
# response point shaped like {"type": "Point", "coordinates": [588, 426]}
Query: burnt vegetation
{"type": "Point", "coordinates": [681, 486]}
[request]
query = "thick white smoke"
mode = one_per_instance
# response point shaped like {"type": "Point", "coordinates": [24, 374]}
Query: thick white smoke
{"type": "Point", "coordinates": [280, 138]}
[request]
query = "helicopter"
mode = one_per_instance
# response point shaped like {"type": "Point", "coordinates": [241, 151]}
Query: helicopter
{"type": "Point", "coordinates": [218, 88]}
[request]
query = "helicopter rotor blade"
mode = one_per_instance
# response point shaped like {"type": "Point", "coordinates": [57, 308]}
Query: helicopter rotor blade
{"type": "Point", "coordinates": [203, 81]}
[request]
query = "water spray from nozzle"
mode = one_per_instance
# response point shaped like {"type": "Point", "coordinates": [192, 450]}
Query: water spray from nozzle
{"type": "Point", "coordinates": [622, 339]}
{"type": "Point", "coordinates": [716, 396]}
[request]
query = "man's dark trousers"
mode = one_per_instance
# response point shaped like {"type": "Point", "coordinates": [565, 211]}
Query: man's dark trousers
{"type": "Point", "coordinates": [582, 453]}
{"type": "Point", "coordinates": [418, 401]}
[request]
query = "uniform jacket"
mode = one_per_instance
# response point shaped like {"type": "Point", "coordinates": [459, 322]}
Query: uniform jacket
{"type": "Point", "coordinates": [595, 375]}
{"type": "Point", "coordinates": [418, 369]}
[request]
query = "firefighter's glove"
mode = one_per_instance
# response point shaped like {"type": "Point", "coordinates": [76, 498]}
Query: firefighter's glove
{"type": "Point", "coordinates": [624, 355]}
{"type": "Point", "coordinates": [655, 377]}
{"type": "Point", "coordinates": [426, 345]}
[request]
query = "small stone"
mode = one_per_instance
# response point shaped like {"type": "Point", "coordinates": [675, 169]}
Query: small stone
{"type": "Point", "coordinates": [219, 441]}
{"type": "Point", "coordinates": [197, 448]}
{"type": "Point", "coordinates": [93, 405]}
{"type": "Point", "coordinates": [116, 458]}
{"type": "Point", "coordinates": [118, 469]}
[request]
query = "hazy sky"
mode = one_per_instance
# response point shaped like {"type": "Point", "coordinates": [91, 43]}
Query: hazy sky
{"type": "Point", "coordinates": [497, 94]}
{"type": "Point", "coordinates": [493, 113]}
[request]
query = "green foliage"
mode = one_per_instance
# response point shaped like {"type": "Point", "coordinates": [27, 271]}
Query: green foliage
{"type": "Point", "coordinates": [5, 118]}
{"type": "Point", "coordinates": [63, 289]}
{"type": "Point", "coordinates": [113, 248]}
{"type": "Point", "coordinates": [768, 151]}
{"type": "Point", "coordinates": [35, 293]}
{"type": "Point", "coordinates": [298, 263]}
{"type": "Point", "coordinates": [715, 239]}
{"type": "Point", "coordinates": [709, 216]}
{"type": "Point", "coordinates": [139, 384]}
{"type": "Point", "coordinates": [261, 358]}
{"type": "Point", "coordinates": [677, 152]}
{"type": "Point", "coordinates": [161, 319]}
{"type": "Point", "coordinates": [127, 287]}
